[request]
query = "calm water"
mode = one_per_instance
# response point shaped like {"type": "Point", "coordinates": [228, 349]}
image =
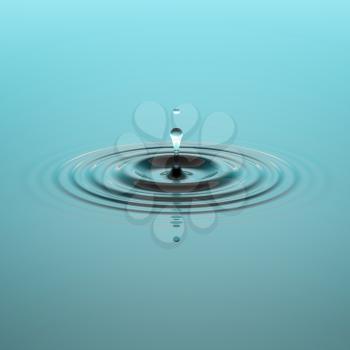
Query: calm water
{"type": "Point", "coordinates": [74, 276]}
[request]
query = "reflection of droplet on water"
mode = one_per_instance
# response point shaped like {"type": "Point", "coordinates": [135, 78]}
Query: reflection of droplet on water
{"type": "Point", "coordinates": [176, 137]}
{"type": "Point", "coordinates": [165, 232]}
{"type": "Point", "coordinates": [176, 111]}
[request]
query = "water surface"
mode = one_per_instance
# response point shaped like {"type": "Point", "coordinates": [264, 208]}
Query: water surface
{"type": "Point", "coordinates": [75, 276]}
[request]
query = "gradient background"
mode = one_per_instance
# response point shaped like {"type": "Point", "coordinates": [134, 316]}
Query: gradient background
{"type": "Point", "coordinates": [274, 277]}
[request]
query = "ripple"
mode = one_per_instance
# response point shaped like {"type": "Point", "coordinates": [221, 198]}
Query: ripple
{"type": "Point", "coordinates": [136, 179]}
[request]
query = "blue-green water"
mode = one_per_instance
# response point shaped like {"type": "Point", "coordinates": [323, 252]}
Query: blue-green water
{"type": "Point", "coordinates": [74, 276]}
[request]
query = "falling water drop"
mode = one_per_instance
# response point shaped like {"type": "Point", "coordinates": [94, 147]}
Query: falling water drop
{"type": "Point", "coordinates": [176, 111]}
{"type": "Point", "coordinates": [176, 137]}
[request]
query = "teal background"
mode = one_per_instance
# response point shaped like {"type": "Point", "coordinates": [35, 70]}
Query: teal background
{"type": "Point", "coordinates": [274, 277]}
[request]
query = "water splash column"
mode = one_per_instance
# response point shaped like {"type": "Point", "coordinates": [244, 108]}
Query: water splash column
{"type": "Point", "coordinates": [176, 138]}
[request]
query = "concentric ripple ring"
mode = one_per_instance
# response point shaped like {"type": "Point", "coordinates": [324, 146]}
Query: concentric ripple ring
{"type": "Point", "coordinates": [135, 178]}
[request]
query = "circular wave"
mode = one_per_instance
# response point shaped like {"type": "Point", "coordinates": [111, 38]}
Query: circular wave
{"type": "Point", "coordinates": [137, 178]}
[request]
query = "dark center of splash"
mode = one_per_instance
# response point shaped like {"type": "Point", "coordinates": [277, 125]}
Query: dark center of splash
{"type": "Point", "coordinates": [185, 173]}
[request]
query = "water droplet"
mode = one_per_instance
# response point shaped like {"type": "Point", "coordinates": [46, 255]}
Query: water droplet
{"type": "Point", "coordinates": [176, 239]}
{"type": "Point", "coordinates": [176, 111]}
{"type": "Point", "coordinates": [176, 137]}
